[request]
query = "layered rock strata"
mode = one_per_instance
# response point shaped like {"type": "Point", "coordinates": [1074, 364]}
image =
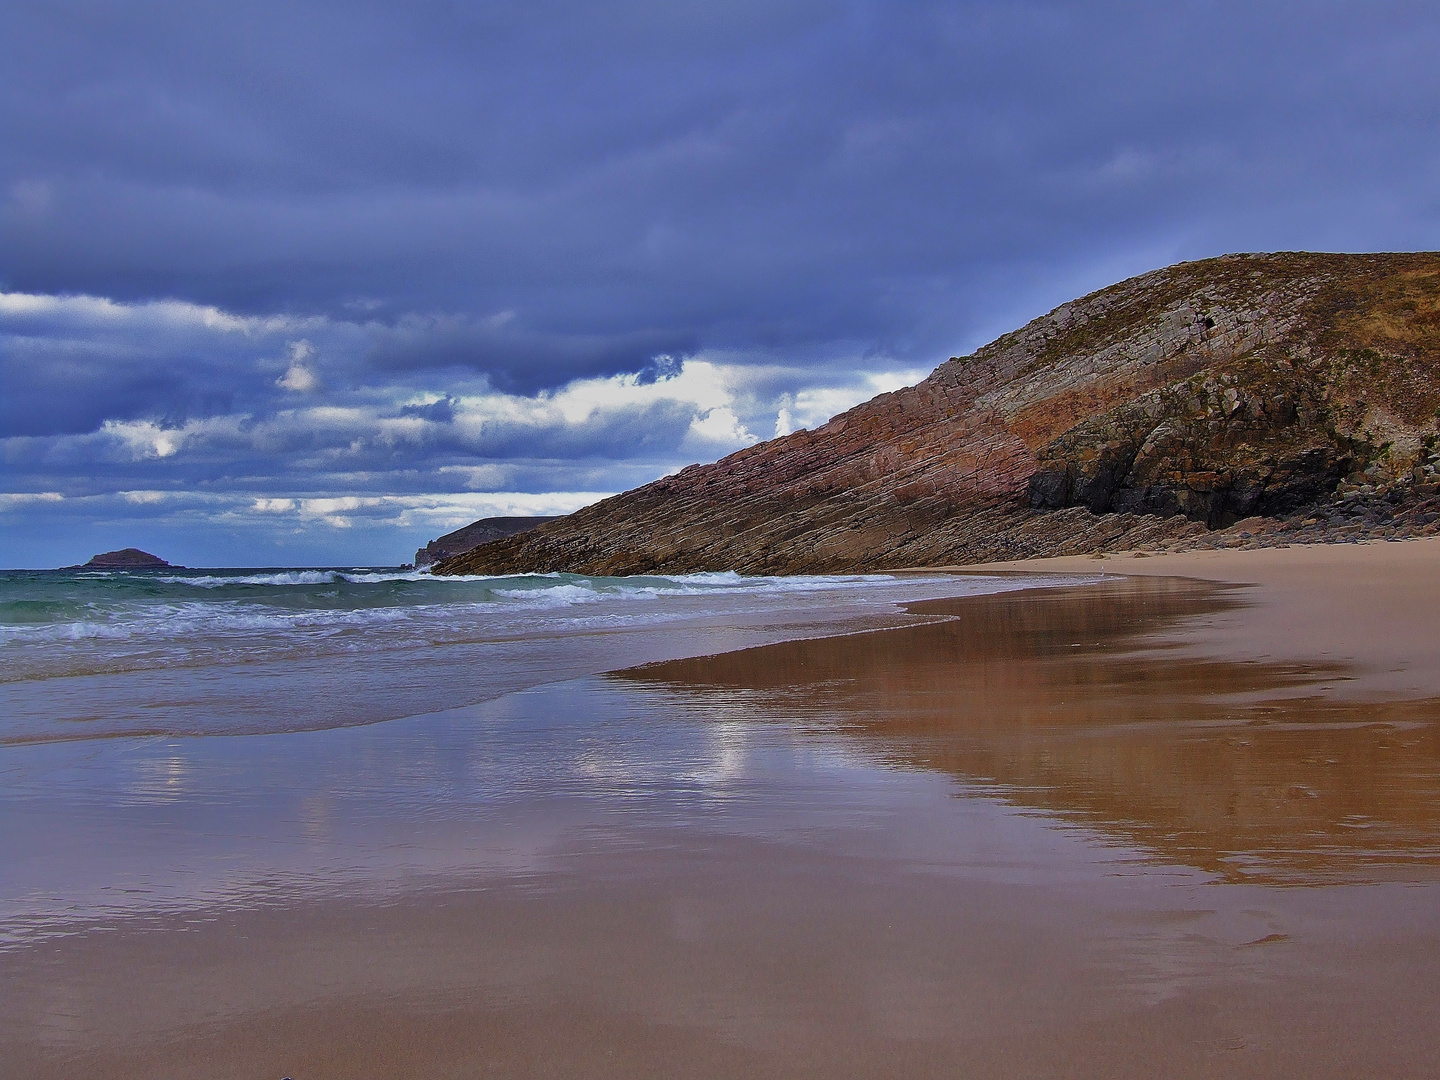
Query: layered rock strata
{"type": "Point", "coordinates": [473, 535]}
{"type": "Point", "coordinates": [1152, 412]}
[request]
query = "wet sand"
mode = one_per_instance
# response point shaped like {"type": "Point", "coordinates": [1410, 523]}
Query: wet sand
{"type": "Point", "coordinates": [1182, 823]}
{"type": "Point", "coordinates": [1372, 606]}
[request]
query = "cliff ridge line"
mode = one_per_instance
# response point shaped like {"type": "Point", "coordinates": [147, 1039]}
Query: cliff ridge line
{"type": "Point", "coordinates": [1159, 409]}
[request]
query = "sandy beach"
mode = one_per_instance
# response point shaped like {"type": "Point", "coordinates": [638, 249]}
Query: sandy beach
{"type": "Point", "coordinates": [1182, 821]}
{"type": "Point", "coordinates": [1372, 606]}
{"type": "Point", "coordinates": [507, 521]}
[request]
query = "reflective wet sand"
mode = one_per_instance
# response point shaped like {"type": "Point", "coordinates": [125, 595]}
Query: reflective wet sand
{"type": "Point", "coordinates": [1095, 832]}
{"type": "Point", "coordinates": [1062, 700]}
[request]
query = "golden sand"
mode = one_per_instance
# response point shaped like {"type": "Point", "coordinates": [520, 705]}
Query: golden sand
{"type": "Point", "coordinates": [1235, 754]}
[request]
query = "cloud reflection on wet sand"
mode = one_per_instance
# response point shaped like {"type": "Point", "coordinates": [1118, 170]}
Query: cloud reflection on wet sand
{"type": "Point", "coordinates": [1072, 701]}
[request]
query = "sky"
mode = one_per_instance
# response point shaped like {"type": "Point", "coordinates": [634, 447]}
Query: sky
{"type": "Point", "coordinates": [310, 284]}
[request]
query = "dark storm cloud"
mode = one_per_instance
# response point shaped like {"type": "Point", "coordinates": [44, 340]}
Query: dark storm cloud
{"type": "Point", "coordinates": [70, 363]}
{"type": "Point", "coordinates": [515, 357]}
{"type": "Point", "coordinates": [433, 202]}
{"type": "Point", "coordinates": [784, 174]}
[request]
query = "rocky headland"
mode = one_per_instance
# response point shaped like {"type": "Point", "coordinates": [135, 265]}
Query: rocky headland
{"type": "Point", "coordinates": [473, 535]}
{"type": "Point", "coordinates": [1238, 401]}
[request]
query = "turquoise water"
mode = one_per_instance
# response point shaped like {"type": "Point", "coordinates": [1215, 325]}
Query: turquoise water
{"type": "Point", "coordinates": [99, 654]}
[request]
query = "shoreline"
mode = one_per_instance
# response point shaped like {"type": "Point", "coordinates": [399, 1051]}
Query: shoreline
{"type": "Point", "coordinates": [1180, 821]}
{"type": "Point", "coordinates": [1374, 605]}
{"type": "Point", "coordinates": [1137, 705]}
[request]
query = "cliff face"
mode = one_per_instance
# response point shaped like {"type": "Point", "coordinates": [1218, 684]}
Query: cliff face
{"type": "Point", "coordinates": [1166, 405]}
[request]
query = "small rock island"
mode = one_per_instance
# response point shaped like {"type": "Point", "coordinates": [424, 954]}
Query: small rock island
{"type": "Point", "coordinates": [126, 559]}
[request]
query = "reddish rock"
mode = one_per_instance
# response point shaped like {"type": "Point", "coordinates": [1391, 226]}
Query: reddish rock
{"type": "Point", "coordinates": [473, 535]}
{"type": "Point", "coordinates": [126, 559]}
{"type": "Point", "coordinates": [1149, 412]}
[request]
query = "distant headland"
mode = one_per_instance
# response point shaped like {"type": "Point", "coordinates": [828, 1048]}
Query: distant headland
{"type": "Point", "coordinates": [126, 559]}
{"type": "Point", "coordinates": [473, 535]}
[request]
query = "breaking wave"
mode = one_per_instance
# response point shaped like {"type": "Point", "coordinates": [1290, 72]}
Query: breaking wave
{"type": "Point", "coordinates": [183, 608]}
{"type": "Point", "coordinates": [255, 650]}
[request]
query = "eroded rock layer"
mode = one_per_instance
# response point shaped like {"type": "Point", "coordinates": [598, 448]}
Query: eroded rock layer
{"type": "Point", "coordinates": [1153, 411]}
{"type": "Point", "coordinates": [473, 535]}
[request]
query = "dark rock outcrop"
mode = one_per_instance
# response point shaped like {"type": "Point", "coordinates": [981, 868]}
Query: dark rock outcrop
{"type": "Point", "coordinates": [473, 535]}
{"type": "Point", "coordinates": [1152, 412]}
{"type": "Point", "coordinates": [1350, 515]}
{"type": "Point", "coordinates": [126, 559]}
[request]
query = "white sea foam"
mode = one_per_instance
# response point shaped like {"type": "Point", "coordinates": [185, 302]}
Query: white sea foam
{"type": "Point", "coordinates": [284, 577]}
{"type": "Point", "coordinates": [371, 577]}
{"type": "Point", "coordinates": [130, 619]}
{"type": "Point", "coordinates": [553, 597]}
{"type": "Point", "coordinates": [251, 651]}
{"type": "Point", "coordinates": [304, 602]}
{"type": "Point", "coordinates": [178, 621]}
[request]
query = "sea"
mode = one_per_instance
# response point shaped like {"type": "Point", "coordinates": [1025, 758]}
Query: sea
{"type": "Point", "coordinates": [88, 654]}
{"type": "Point", "coordinates": [178, 743]}
{"type": "Point", "coordinates": [241, 808]}
{"type": "Point", "coordinates": [235, 803]}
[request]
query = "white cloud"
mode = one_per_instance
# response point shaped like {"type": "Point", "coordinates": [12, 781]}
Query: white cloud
{"type": "Point", "coordinates": [9, 499]}
{"type": "Point", "coordinates": [479, 477]}
{"type": "Point", "coordinates": [706, 409]}
{"type": "Point", "coordinates": [144, 439]}
{"type": "Point", "coordinates": [461, 509]}
{"type": "Point", "coordinates": [299, 377]}
{"type": "Point", "coordinates": [719, 429]}
{"type": "Point", "coordinates": [99, 312]}
{"type": "Point", "coordinates": [441, 512]}
{"type": "Point", "coordinates": [290, 462]}
{"type": "Point", "coordinates": [724, 402]}
{"type": "Point", "coordinates": [784, 422]}
{"type": "Point", "coordinates": [814, 405]}
{"type": "Point", "coordinates": [731, 400]}
{"type": "Point", "coordinates": [708, 389]}
{"type": "Point", "coordinates": [699, 383]}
